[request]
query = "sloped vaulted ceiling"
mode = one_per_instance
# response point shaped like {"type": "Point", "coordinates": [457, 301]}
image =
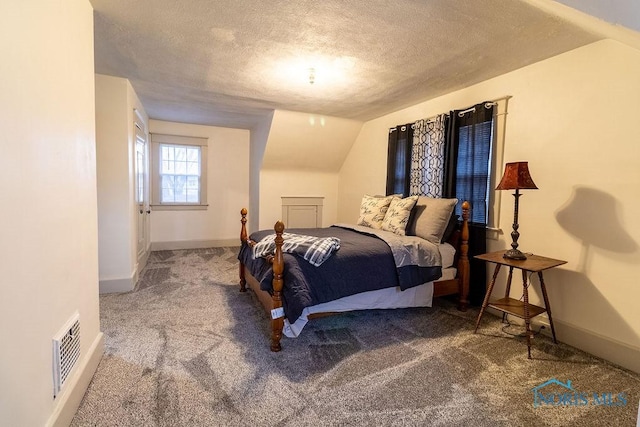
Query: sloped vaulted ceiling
{"type": "Point", "coordinates": [309, 142]}
{"type": "Point", "coordinates": [231, 63]}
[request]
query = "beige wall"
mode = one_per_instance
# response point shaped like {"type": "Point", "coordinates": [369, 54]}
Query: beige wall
{"type": "Point", "coordinates": [573, 118]}
{"type": "Point", "coordinates": [303, 157]}
{"type": "Point", "coordinates": [228, 191]}
{"type": "Point", "coordinates": [259, 137]}
{"type": "Point", "coordinates": [113, 177]}
{"type": "Point", "coordinates": [303, 141]}
{"type": "Point", "coordinates": [274, 184]}
{"type": "Point", "coordinates": [49, 243]}
{"type": "Point", "coordinates": [117, 210]}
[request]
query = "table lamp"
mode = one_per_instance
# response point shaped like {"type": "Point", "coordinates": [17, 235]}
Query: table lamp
{"type": "Point", "coordinates": [516, 177]}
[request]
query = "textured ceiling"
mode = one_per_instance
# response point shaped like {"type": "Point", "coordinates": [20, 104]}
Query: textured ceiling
{"type": "Point", "coordinates": [231, 62]}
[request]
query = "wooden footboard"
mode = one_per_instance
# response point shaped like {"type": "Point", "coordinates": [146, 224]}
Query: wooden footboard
{"type": "Point", "coordinates": [273, 302]}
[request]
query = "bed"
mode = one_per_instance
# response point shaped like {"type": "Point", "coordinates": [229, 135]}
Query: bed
{"type": "Point", "coordinates": [372, 269]}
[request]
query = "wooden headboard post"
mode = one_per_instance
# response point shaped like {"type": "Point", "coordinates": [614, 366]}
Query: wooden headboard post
{"type": "Point", "coordinates": [243, 239]}
{"type": "Point", "coordinates": [463, 260]}
{"type": "Point", "coordinates": [277, 313]}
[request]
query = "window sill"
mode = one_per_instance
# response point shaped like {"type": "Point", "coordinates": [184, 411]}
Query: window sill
{"type": "Point", "coordinates": [179, 207]}
{"type": "Point", "coordinates": [494, 233]}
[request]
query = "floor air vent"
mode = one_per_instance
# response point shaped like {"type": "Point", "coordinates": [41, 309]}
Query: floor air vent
{"type": "Point", "coordinates": [66, 352]}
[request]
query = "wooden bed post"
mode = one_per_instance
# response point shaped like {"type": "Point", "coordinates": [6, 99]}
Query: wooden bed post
{"type": "Point", "coordinates": [277, 265]}
{"type": "Point", "coordinates": [243, 239]}
{"type": "Point", "coordinates": [463, 261]}
{"type": "Point", "coordinates": [277, 313]}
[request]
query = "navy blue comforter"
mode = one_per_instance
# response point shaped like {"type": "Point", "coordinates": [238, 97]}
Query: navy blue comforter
{"type": "Point", "coordinates": [363, 263]}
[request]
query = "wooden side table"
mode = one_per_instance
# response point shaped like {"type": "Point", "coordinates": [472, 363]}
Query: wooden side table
{"type": "Point", "coordinates": [521, 309]}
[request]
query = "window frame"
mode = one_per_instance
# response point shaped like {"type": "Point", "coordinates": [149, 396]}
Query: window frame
{"type": "Point", "coordinates": [157, 140]}
{"type": "Point", "coordinates": [496, 166]}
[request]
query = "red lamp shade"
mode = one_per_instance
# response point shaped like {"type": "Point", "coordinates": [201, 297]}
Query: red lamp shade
{"type": "Point", "coordinates": [516, 177]}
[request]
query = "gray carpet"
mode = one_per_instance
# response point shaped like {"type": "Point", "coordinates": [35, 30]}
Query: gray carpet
{"type": "Point", "coordinates": [187, 349]}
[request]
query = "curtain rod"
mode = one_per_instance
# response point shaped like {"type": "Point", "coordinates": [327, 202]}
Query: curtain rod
{"type": "Point", "coordinates": [466, 110]}
{"type": "Point", "coordinates": [428, 120]}
{"type": "Point", "coordinates": [487, 104]}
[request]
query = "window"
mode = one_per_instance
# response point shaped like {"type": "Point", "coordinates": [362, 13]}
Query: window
{"type": "Point", "coordinates": [179, 178]}
{"type": "Point", "coordinates": [473, 169]}
{"type": "Point", "coordinates": [179, 174]}
{"type": "Point", "coordinates": [489, 135]}
{"type": "Point", "coordinates": [476, 157]}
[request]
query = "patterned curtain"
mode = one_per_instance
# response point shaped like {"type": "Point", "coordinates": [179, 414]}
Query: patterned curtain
{"type": "Point", "coordinates": [427, 157]}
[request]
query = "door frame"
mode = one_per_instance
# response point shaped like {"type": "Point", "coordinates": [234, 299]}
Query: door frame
{"type": "Point", "coordinates": [142, 209]}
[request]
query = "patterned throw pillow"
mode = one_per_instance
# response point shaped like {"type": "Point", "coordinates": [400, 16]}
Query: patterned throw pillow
{"type": "Point", "coordinates": [373, 210]}
{"type": "Point", "coordinates": [397, 216]}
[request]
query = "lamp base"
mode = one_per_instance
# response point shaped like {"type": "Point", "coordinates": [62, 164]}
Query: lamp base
{"type": "Point", "coordinates": [514, 254]}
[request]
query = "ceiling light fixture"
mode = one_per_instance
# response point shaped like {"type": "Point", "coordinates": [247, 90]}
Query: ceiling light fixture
{"type": "Point", "coordinates": [313, 71]}
{"type": "Point", "coordinates": [312, 75]}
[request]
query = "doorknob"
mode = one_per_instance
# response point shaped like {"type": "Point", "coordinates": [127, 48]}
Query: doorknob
{"type": "Point", "coordinates": [149, 211]}
{"type": "Point", "coordinates": [141, 211]}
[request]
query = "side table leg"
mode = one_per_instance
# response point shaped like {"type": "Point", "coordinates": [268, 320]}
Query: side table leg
{"type": "Point", "coordinates": [507, 291]}
{"type": "Point", "coordinates": [527, 320]}
{"type": "Point", "coordinates": [487, 295]}
{"type": "Point", "coordinates": [547, 306]}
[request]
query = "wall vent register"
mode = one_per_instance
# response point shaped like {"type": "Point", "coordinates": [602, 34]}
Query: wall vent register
{"type": "Point", "coordinates": [66, 352]}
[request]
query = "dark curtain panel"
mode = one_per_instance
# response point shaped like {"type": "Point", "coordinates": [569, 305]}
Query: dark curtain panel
{"type": "Point", "coordinates": [399, 159]}
{"type": "Point", "coordinates": [466, 176]}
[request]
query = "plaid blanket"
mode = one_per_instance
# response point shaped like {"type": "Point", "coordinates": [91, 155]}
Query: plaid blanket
{"type": "Point", "coordinates": [315, 250]}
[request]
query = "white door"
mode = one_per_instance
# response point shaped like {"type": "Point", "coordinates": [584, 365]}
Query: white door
{"type": "Point", "coordinates": [142, 190]}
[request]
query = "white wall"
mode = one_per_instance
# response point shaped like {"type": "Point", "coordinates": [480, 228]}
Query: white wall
{"type": "Point", "coordinates": [117, 210]}
{"type": "Point", "coordinates": [49, 238]}
{"type": "Point", "coordinates": [228, 191]}
{"type": "Point", "coordinates": [573, 118]}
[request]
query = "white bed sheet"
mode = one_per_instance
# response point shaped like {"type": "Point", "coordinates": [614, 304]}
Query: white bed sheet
{"type": "Point", "coordinates": [448, 254]}
{"type": "Point", "coordinates": [387, 298]}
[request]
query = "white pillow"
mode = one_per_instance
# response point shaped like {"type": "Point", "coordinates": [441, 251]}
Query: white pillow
{"type": "Point", "coordinates": [373, 210]}
{"type": "Point", "coordinates": [397, 216]}
{"type": "Point", "coordinates": [430, 218]}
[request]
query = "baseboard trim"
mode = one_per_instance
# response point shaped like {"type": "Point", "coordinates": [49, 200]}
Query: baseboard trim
{"type": "Point", "coordinates": [142, 262]}
{"type": "Point", "coordinates": [110, 286]}
{"type": "Point", "coordinates": [609, 349]}
{"type": "Point", "coordinates": [193, 244]}
{"type": "Point", "coordinates": [71, 398]}
{"type": "Point", "coordinates": [612, 350]}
